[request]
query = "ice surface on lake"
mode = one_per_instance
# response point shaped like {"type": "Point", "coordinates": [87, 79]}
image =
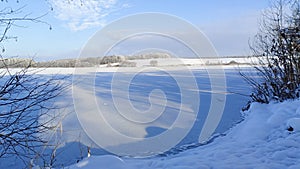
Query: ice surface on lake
{"type": "Point", "coordinates": [140, 89]}
{"type": "Point", "coordinates": [158, 85]}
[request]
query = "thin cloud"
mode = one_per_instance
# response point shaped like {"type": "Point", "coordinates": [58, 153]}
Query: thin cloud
{"type": "Point", "coordinates": [79, 15]}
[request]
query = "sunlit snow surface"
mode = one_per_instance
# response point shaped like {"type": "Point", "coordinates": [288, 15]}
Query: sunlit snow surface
{"type": "Point", "coordinates": [260, 141]}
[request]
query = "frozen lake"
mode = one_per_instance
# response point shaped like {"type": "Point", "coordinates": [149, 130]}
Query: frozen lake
{"type": "Point", "coordinates": [112, 99]}
{"type": "Point", "coordinates": [157, 91]}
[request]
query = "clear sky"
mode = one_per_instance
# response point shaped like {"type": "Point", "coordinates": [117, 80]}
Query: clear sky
{"type": "Point", "coordinates": [228, 24]}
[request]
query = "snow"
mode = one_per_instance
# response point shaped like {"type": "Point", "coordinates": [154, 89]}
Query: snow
{"type": "Point", "coordinates": [261, 140]}
{"type": "Point", "coordinates": [109, 161]}
{"type": "Point", "coordinates": [298, 111]}
{"type": "Point", "coordinates": [294, 123]}
{"type": "Point", "coordinates": [74, 141]}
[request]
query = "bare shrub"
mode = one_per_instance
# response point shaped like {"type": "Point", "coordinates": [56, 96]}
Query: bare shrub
{"type": "Point", "coordinates": [277, 46]}
{"type": "Point", "coordinates": [25, 96]}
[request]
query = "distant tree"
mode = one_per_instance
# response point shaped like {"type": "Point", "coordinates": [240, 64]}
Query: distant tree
{"type": "Point", "coordinates": [26, 98]}
{"type": "Point", "coordinates": [112, 59]}
{"type": "Point", "coordinates": [127, 64]}
{"type": "Point", "coordinates": [277, 47]}
{"type": "Point", "coordinates": [153, 63]}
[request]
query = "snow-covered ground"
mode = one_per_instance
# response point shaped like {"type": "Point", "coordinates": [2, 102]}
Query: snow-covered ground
{"type": "Point", "coordinates": [262, 141]}
{"type": "Point", "coordinates": [195, 62]}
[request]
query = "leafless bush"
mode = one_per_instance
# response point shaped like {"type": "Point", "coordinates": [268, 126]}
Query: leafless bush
{"type": "Point", "coordinates": [25, 97]}
{"type": "Point", "coordinates": [277, 46]}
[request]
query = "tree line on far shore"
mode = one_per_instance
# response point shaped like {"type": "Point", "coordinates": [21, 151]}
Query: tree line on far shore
{"type": "Point", "coordinates": [80, 62]}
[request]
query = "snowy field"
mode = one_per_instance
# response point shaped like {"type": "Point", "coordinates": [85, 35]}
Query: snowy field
{"type": "Point", "coordinates": [259, 141]}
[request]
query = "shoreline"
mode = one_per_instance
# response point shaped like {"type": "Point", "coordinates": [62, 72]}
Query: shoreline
{"type": "Point", "coordinates": [85, 70]}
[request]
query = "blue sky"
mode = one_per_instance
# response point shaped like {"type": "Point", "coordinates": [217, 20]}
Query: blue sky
{"type": "Point", "coordinates": [228, 24]}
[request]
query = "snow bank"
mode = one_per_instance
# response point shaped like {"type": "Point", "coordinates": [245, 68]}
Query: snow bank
{"type": "Point", "coordinates": [262, 140]}
{"type": "Point", "coordinates": [293, 124]}
{"type": "Point", "coordinates": [106, 161]}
